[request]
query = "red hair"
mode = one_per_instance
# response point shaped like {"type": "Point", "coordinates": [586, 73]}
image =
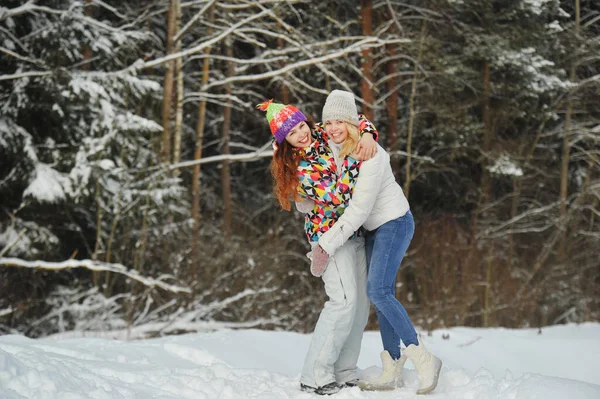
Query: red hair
{"type": "Point", "coordinates": [284, 168]}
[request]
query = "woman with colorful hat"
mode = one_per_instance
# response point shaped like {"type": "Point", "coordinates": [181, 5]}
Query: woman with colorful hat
{"type": "Point", "coordinates": [305, 170]}
{"type": "Point", "coordinates": [379, 206]}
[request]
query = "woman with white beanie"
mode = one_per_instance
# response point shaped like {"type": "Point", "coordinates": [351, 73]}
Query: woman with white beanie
{"type": "Point", "coordinates": [304, 167]}
{"type": "Point", "coordinates": [380, 207]}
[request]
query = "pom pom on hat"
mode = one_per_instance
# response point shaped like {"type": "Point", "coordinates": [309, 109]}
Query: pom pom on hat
{"type": "Point", "coordinates": [340, 105]}
{"type": "Point", "coordinates": [264, 106]}
{"type": "Point", "coordinates": [282, 118]}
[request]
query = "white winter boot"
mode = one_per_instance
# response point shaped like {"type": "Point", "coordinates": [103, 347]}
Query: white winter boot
{"type": "Point", "coordinates": [428, 366]}
{"type": "Point", "coordinates": [391, 376]}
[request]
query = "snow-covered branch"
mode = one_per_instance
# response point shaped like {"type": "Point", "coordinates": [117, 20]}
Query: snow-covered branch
{"type": "Point", "coordinates": [148, 323]}
{"type": "Point", "coordinates": [591, 79]}
{"type": "Point", "coordinates": [18, 56]}
{"type": "Point", "coordinates": [531, 212]}
{"type": "Point", "coordinates": [110, 8]}
{"type": "Point", "coordinates": [145, 331]}
{"type": "Point", "coordinates": [30, 6]}
{"type": "Point", "coordinates": [232, 6]}
{"type": "Point", "coordinates": [6, 312]}
{"type": "Point", "coordinates": [94, 266]}
{"type": "Point", "coordinates": [250, 62]}
{"type": "Point", "coordinates": [368, 42]}
{"type": "Point", "coordinates": [198, 48]}
{"type": "Point", "coordinates": [413, 156]}
{"type": "Point", "coordinates": [219, 158]}
{"type": "Point", "coordinates": [219, 305]}
{"type": "Point", "coordinates": [261, 152]}
{"type": "Point", "coordinates": [24, 75]}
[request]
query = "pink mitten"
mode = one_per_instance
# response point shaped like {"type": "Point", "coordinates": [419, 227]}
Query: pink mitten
{"type": "Point", "coordinates": [319, 262]}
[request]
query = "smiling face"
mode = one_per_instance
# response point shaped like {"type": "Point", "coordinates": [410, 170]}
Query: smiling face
{"type": "Point", "coordinates": [336, 130]}
{"type": "Point", "coordinates": [299, 136]}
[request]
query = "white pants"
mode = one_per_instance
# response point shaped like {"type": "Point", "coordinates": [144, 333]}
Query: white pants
{"type": "Point", "coordinates": [337, 337]}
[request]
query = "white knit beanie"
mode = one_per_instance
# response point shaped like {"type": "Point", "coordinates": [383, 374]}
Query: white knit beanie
{"type": "Point", "coordinates": [340, 105]}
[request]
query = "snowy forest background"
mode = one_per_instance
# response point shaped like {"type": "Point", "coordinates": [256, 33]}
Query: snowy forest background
{"type": "Point", "coordinates": [135, 195]}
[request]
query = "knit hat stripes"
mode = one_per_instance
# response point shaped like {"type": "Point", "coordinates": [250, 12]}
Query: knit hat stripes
{"type": "Point", "coordinates": [282, 118]}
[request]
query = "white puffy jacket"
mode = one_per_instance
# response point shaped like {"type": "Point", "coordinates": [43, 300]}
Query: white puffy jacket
{"type": "Point", "coordinates": [376, 199]}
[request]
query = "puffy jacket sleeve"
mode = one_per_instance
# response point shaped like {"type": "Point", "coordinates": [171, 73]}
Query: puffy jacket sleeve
{"type": "Point", "coordinates": [366, 126]}
{"type": "Point", "coordinates": [365, 193]}
{"type": "Point", "coordinates": [323, 186]}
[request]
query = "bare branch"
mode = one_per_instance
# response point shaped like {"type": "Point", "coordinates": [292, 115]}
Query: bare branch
{"type": "Point", "coordinates": [200, 47]}
{"type": "Point", "coordinates": [110, 8]}
{"type": "Point", "coordinates": [13, 38]}
{"type": "Point", "coordinates": [530, 212]}
{"type": "Point", "coordinates": [18, 56]}
{"type": "Point", "coordinates": [193, 20]}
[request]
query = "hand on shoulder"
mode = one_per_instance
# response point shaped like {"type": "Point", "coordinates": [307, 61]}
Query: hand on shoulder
{"type": "Point", "coordinates": [365, 149]}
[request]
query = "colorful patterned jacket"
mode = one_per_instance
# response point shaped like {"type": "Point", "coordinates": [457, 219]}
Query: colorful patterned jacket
{"type": "Point", "coordinates": [319, 180]}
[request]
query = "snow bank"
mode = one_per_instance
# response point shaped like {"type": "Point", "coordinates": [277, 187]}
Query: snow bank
{"type": "Point", "coordinates": [562, 362]}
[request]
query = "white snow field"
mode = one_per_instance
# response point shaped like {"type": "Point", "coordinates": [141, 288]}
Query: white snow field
{"type": "Point", "coordinates": [563, 362]}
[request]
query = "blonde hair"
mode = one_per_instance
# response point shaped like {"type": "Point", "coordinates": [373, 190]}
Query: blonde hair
{"type": "Point", "coordinates": [351, 141]}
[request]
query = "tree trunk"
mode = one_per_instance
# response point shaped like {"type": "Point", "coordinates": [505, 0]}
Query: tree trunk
{"type": "Point", "coordinates": [108, 280]}
{"type": "Point", "coordinates": [486, 184]}
{"type": "Point", "coordinates": [513, 213]}
{"type": "Point", "coordinates": [488, 285]}
{"type": "Point", "coordinates": [140, 253]}
{"type": "Point", "coordinates": [198, 155]}
{"type": "Point", "coordinates": [179, 101]}
{"type": "Point", "coordinates": [366, 86]}
{"type": "Point", "coordinates": [564, 170]}
{"type": "Point", "coordinates": [391, 105]}
{"type": "Point", "coordinates": [111, 237]}
{"type": "Point", "coordinates": [413, 112]}
{"type": "Point", "coordinates": [98, 244]}
{"type": "Point", "coordinates": [87, 56]}
{"type": "Point", "coordinates": [225, 170]}
{"type": "Point", "coordinates": [168, 86]}
{"type": "Point", "coordinates": [487, 135]}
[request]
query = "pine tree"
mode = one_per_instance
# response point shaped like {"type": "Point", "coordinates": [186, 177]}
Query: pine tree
{"type": "Point", "coordinates": [79, 143]}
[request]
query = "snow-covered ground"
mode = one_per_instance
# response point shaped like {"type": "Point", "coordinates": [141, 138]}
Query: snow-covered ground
{"type": "Point", "coordinates": [563, 362]}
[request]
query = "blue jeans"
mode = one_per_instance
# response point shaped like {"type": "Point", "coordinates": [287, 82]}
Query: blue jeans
{"type": "Point", "coordinates": [385, 249]}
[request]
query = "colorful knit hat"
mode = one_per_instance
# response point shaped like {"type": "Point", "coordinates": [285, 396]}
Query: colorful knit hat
{"type": "Point", "coordinates": [282, 118]}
